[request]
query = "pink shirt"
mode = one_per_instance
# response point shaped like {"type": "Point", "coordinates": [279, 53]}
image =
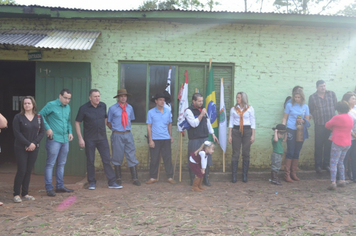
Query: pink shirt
{"type": "Point", "coordinates": [341, 126]}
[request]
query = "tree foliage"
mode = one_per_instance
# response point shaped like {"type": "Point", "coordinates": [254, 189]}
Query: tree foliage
{"type": "Point", "coordinates": [5, 2]}
{"type": "Point", "coordinates": [159, 5]}
{"type": "Point", "coordinates": [303, 6]}
{"type": "Point", "coordinates": [349, 10]}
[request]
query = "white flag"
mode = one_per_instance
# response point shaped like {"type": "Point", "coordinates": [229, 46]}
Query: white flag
{"type": "Point", "coordinates": [222, 120]}
{"type": "Point", "coordinates": [183, 100]}
{"type": "Point", "coordinates": [168, 89]}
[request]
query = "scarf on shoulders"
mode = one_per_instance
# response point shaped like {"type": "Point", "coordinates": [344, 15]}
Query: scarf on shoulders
{"type": "Point", "coordinates": [241, 114]}
{"type": "Point", "coordinates": [124, 117]}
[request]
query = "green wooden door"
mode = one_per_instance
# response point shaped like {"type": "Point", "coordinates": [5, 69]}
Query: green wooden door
{"type": "Point", "coordinates": [51, 78]}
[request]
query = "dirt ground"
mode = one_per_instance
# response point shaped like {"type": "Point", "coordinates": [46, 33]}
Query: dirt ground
{"type": "Point", "coordinates": [254, 208]}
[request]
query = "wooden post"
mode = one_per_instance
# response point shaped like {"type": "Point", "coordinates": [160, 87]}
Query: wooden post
{"type": "Point", "coordinates": [223, 161]}
{"type": "Point", "coordinates": [210, 60]}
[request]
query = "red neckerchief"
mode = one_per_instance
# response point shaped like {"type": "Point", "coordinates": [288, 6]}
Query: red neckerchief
{"type": "Point", "coordinates": [124, 117]}
{"type": "Point", "coordinates": [241, 113]}
{"type": "Point", "coordinates": [199, 108]}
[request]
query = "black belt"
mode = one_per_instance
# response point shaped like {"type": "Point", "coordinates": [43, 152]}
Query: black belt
{"type": "Point", "coordinates": [245, 127]}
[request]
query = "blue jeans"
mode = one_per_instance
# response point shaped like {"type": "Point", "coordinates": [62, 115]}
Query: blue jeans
{"type": "Point", "coordinates": [293, 147]}
{"type": "Point", "coordinates": [103, 147]}
{"type": "Point", "coordinates": [56, 154]}
{"type": "Point", "coordinates": [353, 159]}
{"type": "Point", "coordinates": [337, 156]}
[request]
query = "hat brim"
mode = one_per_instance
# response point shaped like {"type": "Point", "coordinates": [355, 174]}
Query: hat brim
{"type": "Point", "coordinates": [127, 94]}
{"type": "Point", "coordinates": [166, 99]}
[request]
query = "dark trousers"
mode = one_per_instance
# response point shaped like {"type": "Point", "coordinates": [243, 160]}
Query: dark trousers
{"type": "Point", "coordinates": [237, 141]}
{"type": "Point", "coordinates": [25, 163]}
{"type": "Point", "coordinates": [322, 146]}
{"type": "Point", "coordinates": [104, 151]}
{"type": "Point", "coordinates": [293, 147]}
{"type": "Point", "coordinates": [162, 147]}
{"type": "Point", "coordinates": [353, 159]}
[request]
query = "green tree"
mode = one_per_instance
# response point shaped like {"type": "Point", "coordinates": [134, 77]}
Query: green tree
{"type": "Point", "coordinates": [349, 10]}
{"type": "Point", "coordinates": [303, 6]}
{"type": "Point", "coordinates": [212, 3]}
{"type": "Point", "coordinates": [191, 4]}
{"type": "Point", "coordinates": [4, 2]}
{"type": "Point", "coordinates": [158, 5]}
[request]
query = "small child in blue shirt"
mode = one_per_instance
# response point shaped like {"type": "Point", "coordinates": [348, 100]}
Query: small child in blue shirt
{"type": "Point", "coordinates": [276, 156]}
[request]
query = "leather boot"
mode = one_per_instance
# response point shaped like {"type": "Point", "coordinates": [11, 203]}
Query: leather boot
{"type": "Point", "coordinates": [234, 165]}
{"type": "Point", "coordinates": [274, 178]}
{"type": "Point", "coordinates": [118, 174]}
{"type": "Point", "coordinates": [192, 176]}
{"type": "Point", "coordinates": [195, 186]}
{"type": "Point", "coordinates": [287, 171]}
{"type": "Point", "coordinates": [206, 176]}
{"type": "Point", "coordinates": [134, 176]}
{"type": "Point", "coordinates": [201, 184]}
{"type": "Point", "coordinates": [293, 172]}
{"type": "Point", "coordinates": [245, 165]}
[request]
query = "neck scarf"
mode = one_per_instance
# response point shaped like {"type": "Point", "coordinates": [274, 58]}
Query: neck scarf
{"type": "Point", "coordinates": [124, 117]}
{"type": "Point", "coordinates": [199, 108]}
{"type": "Point", "coordinates": [241, 113]}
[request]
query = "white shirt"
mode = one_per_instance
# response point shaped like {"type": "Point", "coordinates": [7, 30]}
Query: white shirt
{"type": "Point", "coordinates": [203, 157]}
{"type": "Point", "coordinates": [248, 117]}
{"type": "Point", "coordinates": [194, 122]}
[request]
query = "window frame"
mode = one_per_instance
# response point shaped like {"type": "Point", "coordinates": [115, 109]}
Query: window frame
{"type": "Point", "coordinates": [177, 64]}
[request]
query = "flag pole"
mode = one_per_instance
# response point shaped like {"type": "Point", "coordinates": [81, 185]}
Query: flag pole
{"type": "Point", "coordinates": [222, 80]}
{"type": "Point", "coordinates": [180, 157]}
{"type": "Point", "coordinates": [210, 60]}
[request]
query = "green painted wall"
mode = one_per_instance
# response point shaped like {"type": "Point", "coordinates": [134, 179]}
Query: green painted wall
{"type": "Point", "coordinates": [269, 61]}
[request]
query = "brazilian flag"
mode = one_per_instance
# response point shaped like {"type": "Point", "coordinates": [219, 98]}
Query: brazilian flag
{"type": "Point", "coordinates": [210, 103]}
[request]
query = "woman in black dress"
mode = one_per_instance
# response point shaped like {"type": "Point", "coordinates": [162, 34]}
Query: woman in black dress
{"type": "Point", "coordinates": [28, 130]}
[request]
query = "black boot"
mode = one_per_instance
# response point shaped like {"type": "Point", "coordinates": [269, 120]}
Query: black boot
{"type": "Point", "coordinates": [234, 165]}
{"type": "Point", "coordinates": [206, 176]}
{"type": "Point", "coordinates": [192, 177]}
{"type": "Point", "coordinates": [134, 176]}
{"type": "Point", "coordinates": [245, 165]}
{"type": "Point", "coordinates": [118, 174]}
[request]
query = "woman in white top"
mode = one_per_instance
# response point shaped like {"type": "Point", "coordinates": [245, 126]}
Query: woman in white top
{"type": "Point", "coordinates": [241, 133]}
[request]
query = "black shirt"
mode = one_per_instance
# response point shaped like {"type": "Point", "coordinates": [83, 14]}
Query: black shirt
{"type": "Point", "coordinates": [94, 120]}
{"type": "Point", "coordinates": [27, 132]}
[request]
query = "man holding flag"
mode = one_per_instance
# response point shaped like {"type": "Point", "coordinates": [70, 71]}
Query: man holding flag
{"type": "Point", "coordinates": [199, 132]}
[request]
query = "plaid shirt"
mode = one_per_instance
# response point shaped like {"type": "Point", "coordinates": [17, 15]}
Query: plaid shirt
{"type": "Point", "coordinates": [322, 109]}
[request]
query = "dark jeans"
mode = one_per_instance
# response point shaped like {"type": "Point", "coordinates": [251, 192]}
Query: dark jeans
{"type": "Point", "coordinates": [104, 151]}
{"type": "Point", "coordinates": [237, 141]}
{"type": "Point", "coordinates": [162, 147]}
{"type": "Point", "coordinates": [322, 146]}
{"type": "Point", "coordinates": [25, 163]}
{"type": "Point", "coordinates": [293, 147]}
{"type": "Point", "coordinates": [353, 159]}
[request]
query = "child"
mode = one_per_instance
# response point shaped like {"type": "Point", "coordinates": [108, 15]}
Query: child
{"type": "Point", "coordinates": [341, 126]}
{"type": "Point", "coordinates": [276, 156]}
{"type": "Point", "coordinates": [197, 164]}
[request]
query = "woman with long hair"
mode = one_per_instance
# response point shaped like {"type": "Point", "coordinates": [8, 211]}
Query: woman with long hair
{"type": "Point", "coordinates": [242, 127]}
{"type": "Point", "coordinates": [28, 130]}
{"type": "Point", "coordinates": [295, 113]}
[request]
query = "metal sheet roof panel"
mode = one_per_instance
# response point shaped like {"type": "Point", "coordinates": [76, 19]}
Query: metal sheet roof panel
{"type": "Point", "coordinates": [55, 39]}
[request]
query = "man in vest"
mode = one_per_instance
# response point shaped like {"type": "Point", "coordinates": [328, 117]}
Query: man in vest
{"type": "Point", "coordinates": [200, 124]}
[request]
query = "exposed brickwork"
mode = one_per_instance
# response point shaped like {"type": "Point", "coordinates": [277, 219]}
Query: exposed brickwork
{"type": "Point", "coordinates": [269, 61]}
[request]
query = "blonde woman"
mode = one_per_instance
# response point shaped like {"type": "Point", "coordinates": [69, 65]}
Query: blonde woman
{"type": "Point", "coordinates": [241, 133]}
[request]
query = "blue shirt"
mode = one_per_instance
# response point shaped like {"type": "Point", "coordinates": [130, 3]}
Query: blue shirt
{"type": "Point", "coordinates": [114, 117]}
{"type": "Point", "coordinates": [293, 112]}
{"type": "Point", "coordinates": [57, 118]}
{"type": "Point", "coordinates": [159, 122]}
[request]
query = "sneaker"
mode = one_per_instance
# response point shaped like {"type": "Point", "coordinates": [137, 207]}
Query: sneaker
{"type": "Point", "coordinates": [151, 181]}
{"type": "Point", "coordinates": [51, 193]}
{"type": "Point", "coordinates": [29, 197]}
{"type": "Point", "coordinates": [17, 199]}
{"type": "Point", "coordinates": [332, 186]}
{"type": "Point", "coordinates": [341, 184]}
{"type": "Point", "coordinates": [115, 185]}
{"type": "Point", "coordinates": [171, 181]}
{"type": "Point", "coordinates": [91, 186]}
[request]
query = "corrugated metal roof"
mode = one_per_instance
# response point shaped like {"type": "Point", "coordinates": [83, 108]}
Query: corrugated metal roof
{"type": "Point", "coordinates": [56, 39]}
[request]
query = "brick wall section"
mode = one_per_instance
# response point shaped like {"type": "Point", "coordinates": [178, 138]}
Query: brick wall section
{"type": "Point", "coordinates": [269, 61]}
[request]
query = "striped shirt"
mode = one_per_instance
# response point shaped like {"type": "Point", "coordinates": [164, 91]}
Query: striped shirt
{"type": "Point", "coordinates": [322, 109]}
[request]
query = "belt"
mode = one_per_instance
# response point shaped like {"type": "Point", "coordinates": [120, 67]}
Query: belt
{"type": "Point", "coordinates": [245, 127]}
{"type": "Point", "coordinates": [122, 132]}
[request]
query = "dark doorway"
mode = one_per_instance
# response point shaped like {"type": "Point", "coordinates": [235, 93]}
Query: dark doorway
{"type": "Point", "coordinates": [17, 79]}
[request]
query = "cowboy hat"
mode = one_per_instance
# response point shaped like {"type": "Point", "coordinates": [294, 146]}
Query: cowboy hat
{"type": "Point", "coordinates": [122, 92]}
{"type": "Point", "coordinates": [164, 95]}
